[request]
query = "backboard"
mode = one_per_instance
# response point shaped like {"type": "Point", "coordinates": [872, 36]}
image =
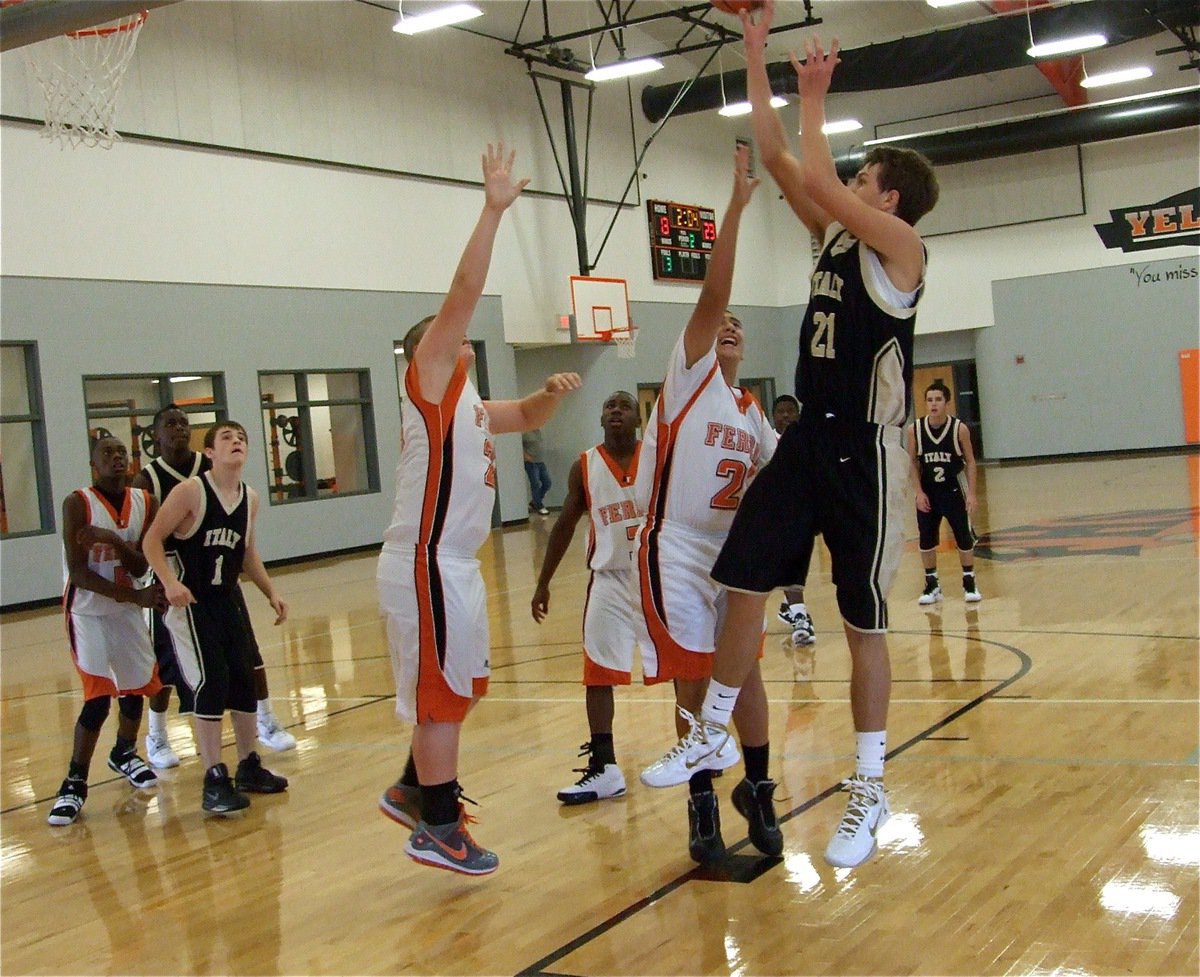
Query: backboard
{"type": "Point", "coordinates": [601, 308]}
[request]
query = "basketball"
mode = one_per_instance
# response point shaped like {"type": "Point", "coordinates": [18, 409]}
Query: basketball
{"type": "Point", "coordinates": [734, 7]}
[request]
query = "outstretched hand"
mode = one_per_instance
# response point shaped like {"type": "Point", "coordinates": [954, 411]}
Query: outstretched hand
{"type": "Point", "coordinates": [558, 384]}
{"type": "Point", "coordinates": [743, 183]}
{"type": "Point", "coordinates": [814, 74]}
{"type": "Point", "coordinates": [756, 28]}
{"type": "Point", "coordinates": [498, 186]}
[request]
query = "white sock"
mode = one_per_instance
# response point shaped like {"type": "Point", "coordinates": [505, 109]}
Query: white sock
{"type": "Point", "coordinates": [871, 748]}
{"type": "Point", "coordinates": [264, 710]}
{"type": "Point", "coordinates": [158, 724]}
{"type": "Point", "coordinates": [718, 703]}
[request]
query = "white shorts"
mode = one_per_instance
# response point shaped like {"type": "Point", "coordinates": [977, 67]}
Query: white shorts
{"type": "Point", "coordinates": [436, 610]}
{"type": "Point", "coordinates": [682, 607]}
{"type": "Point", "coordinates": [609, 627]}
{"type": "Point", "coordinates": [112, 652]}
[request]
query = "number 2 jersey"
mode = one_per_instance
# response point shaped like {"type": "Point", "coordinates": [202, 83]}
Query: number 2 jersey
{"type": "Point", "coordinates": [940, 456]}
{"type": "Point", "coordinates": [209, 558]}
{"type": "Point", "coordinates": [704, 442]}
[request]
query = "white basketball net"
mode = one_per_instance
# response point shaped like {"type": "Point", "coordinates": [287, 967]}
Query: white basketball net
{"type": "Point", "coordinates": [80, 75]}
{"type": "Point", "coordinates": [626, 343]}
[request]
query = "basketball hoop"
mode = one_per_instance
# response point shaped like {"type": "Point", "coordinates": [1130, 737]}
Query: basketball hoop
{"type": "Point", "coordinates": [626, 343]}
{"type": "Point", "coordinates": [80, 74]}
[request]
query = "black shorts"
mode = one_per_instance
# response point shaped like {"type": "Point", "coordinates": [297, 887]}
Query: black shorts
{"type": "Point", "coordinates": [255, 654]}
{"type": "Point", "coordinates": [950, 505]}
{"type": "Point", "coordinates": [164, 649]}
{"type": "Point", "coordinates": [213, 650]}
{"type": "Point", "coordinates": [847, 481]}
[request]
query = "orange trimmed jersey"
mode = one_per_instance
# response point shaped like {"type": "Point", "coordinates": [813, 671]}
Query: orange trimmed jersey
{"type": "Point", "coordinates": [609, 491]}
{"type": "Point", "coordinates": [128, 524]}
{"type": "Point", "coordinates": [704, 442]}
{"type": "Point", "coordinates": [446, 476]}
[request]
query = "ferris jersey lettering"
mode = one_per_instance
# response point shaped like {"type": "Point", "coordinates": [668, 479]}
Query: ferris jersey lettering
{"type": "Point", "coordinates": [209, 557]}
{"type": "Point", "coordinates": [705, 441]}
{"type": "Point", "coordinates": [609, 492]}
{"type": "Point", "coordinates": [939, 453]}
{"type": "Point", "coordinates": [128, 524]}
{"type": "Point", "coordinates": [163, 478]}
{"type": "Point", "coordinates": [856, 342]}
{"type": "Point", "coordinates": [446, 476]}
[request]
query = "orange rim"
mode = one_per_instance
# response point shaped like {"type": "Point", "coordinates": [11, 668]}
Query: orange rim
{"type": "Point", "coordinates": [137, 21]}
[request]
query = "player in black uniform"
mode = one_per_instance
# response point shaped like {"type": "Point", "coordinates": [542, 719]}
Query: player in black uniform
{"type": "Point", "coordinates": [943, 460]}
{"type": "Point", "coordinates": [176, 462]}
{"type": "Point", "coordinates": [208, 524]}
{"type": "Point", "coordinates": [840, 470]}
{"type": "Point", "coordinates": [793, 611]}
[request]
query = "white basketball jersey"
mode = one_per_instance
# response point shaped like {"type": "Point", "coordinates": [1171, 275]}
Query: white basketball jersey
{"type": "Point", "coordinates": [615, 515]}
{"type": "Point", "coordinates": [102, 558]}
{"type": "Point", "coordinates": [446, 477]}
{"type": "Point", "coordinates": [704, 442]}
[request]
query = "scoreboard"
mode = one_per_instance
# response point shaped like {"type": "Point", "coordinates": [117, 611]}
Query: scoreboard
{"type": "Point", "coordinates": [681, 240]}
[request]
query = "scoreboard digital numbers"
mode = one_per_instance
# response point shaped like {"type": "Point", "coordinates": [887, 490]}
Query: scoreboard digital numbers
{"type": "Point", "coordinates": [681, 240]}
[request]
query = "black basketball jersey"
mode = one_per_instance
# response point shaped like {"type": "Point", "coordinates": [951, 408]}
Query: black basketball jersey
{"type": "Point", "coordinates": [939, 453]}
{"type": "Point", "coordinates": [209, 558]}
{"type": "Point", "coordinates": [855, 347]}
{"type": "Point", "coordinates": [163, 477]}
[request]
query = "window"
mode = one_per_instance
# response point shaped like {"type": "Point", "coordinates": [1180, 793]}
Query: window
{"type": "Point", "coordinates": [25, 505]}
{"type": "Point", "coordinates": [320, 434]}
{"type": "Point", "coordinates": [124, 407]}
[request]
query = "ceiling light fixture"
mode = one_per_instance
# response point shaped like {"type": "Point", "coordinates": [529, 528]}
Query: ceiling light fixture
{"type": "Point", "coordinates": [427, 20]}
{"type": "Point", "coordinates": [1067, 45]}
{"type": "Point", "coordinates": [947, 3]}
{"type": "Point", "coordinates": [624, 69]}
{"type": "Point", "coordinates": [841, 125]}
{"type": "Point", "coordinates": [1116, 77]}
{"type": "Point", "coordinates": [734, 109]}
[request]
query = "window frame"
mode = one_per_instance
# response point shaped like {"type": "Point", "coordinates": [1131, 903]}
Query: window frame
{"type": "Point", "coordinates": [303, 406]}
{"type": "Point", "coordinates": [36, 419]}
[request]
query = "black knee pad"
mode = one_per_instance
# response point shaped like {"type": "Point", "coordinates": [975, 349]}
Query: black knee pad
{"type": "Point", "coordinates": [94, 712]}
{"type": "Point", "coordinates": [131, 707]}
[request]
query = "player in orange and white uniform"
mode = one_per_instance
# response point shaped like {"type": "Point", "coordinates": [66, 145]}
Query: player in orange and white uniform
{"type": "Point", "coordinates": [601, 484]}
{"type": "Point", "coordinates": [430, 587]}
{"type": "Point", "coordinates": [704, 442]}
{"type": "Point", "coordinates": [102, 534]}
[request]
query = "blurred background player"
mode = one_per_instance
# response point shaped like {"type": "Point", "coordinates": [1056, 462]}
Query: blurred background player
{"type": "Point", "coordinates": [793, 611]}
{"type": "Point", "coordinates": [103, 526]}
{"type": "Point", "coordinates": [704, 441]}
{"type": "Point", "coordinates": [177, 462]}
{"type": "Point", "coordinates": [430, 587]}
{"type": "Point", "coordinates": [536, 471]}
{"type": "Point", "coordinates": [600, 484]}
{"type": "Point", "coordinates": [207, 523]}
{"type": "Point", "coordinates": [943, 460]}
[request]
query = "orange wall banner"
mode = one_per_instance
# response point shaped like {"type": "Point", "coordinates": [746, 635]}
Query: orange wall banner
{"type": "Point", "coordinates": [1189, 384]}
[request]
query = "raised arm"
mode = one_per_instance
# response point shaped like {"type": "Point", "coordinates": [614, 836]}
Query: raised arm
{"type": "Point", "coordinates": [769, 133]}
{"type": "Point", "coordinates": [78, 539]}
{"type": "Point", "coordinates": [574, 507]}
{"type": "Point", "coordinates": [701, 331]}
{"type": "Point", "coordinates": [506, 416]}
{"type": "Point", "coordinates": [438, 349]}
{"type": "Point", "coordinates": [254, 568]}
{"type": "Point", "coordinates": [968, 452]}
{"type": "Point", "coordinates": [178, 511]}
{"type": "Point", "coordinates": [896, 241]}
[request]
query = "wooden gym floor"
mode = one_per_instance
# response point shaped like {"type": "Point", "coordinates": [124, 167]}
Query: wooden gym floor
{"type": "Point", "coordinates": [1043, 783]}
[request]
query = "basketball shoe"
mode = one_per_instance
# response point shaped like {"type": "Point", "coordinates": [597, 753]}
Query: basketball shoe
{"type": "Point", "coordinates": [599, 781]}
{"type": "Point", "coordinates": [803, 631]}
{"type": "Point", "coordinates": [253, 778]}
{"type": "Point", "coordinates": [866, 812]}
{"type": "Point", "coordinates": [159, 752]}
{"type": "Point", "coordinates": [971, 592]}
{"type": "Point", "coordinates": [932, 593]}
{"type": "Point", "coordinates": [402, 803]}
{"type": "Point", "coordinates": [69, 802]}
{"type": "Point", "coordinates": [274, 736]}
{"type": "Point", "coordinates": [756, 803]}
{"type": "Point", "coordinates": [450, 846]}
{"type": "Point", "coordinates": [132, 768]}
{"type": "Point", "coordinates": [220, 796]}
{"type": "Point", "coordinates": [705, 844]}
{"type": "Point", "coordinates": [707, 746]}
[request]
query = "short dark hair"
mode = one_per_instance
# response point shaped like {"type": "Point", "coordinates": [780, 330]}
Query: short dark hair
{"type": "Point", "coordinates": [940, 386]}
{"type": "Point", "coordinates": [621, 393]}
{"type": "Point", "coordinates": [413, 336]}
{"type": "Point", "coordinates": [911, 175]}
{"type": "Point", "coordinates": [785, 399]}
{"type": "Point", "coordinates": [163, 412]}
{"type": "Point", "coordinates": [210, 436]}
